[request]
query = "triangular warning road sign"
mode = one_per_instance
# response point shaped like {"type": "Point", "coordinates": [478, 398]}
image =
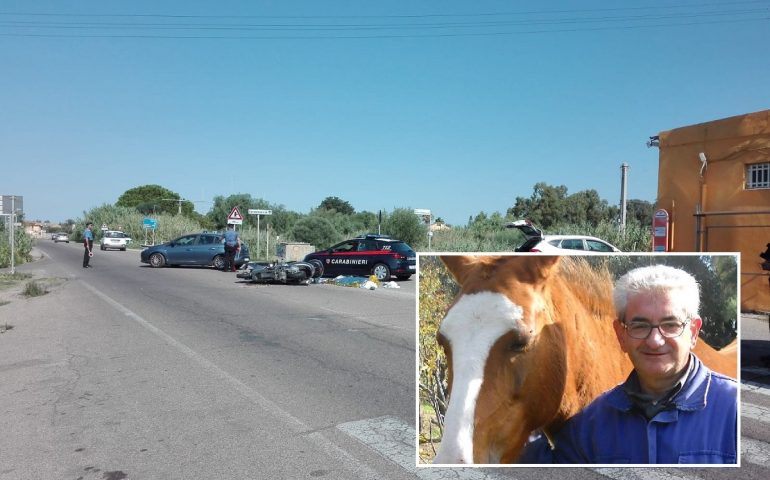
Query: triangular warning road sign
{"type": "Point", "coordinates": [235, 214]}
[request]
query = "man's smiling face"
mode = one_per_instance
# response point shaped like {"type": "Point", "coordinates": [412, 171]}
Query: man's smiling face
{"type": "Point", "coordinates": [657, 359]}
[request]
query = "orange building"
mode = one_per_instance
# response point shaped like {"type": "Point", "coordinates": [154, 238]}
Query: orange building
{"type": "Point", "coordinates": [714, 181]}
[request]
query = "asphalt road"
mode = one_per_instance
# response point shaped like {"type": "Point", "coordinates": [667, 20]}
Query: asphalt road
{"type": "Point", "coordinates": [129, 372]}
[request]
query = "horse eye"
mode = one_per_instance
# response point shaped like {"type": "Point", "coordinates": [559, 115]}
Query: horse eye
{"type": "Point", "coordinates": [516, 347]}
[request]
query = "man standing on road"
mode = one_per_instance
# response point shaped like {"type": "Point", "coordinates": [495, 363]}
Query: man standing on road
{"type": "Point", "coordinates": [672, 408]}
{"type": "Point", "coordinates": [232, 243]}
{"type": "Point", "coordinates": [88, 243]}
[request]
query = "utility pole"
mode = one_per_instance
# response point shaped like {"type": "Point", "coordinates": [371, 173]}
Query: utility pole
{"type": "Point", "coordinates": [178, 201]}
{"type": "Point", "coordinates": [623, 186]}
{"type": "Point", "coordinates": [13, 234]}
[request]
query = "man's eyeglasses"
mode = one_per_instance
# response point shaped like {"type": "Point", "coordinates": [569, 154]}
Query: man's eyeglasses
{"type": "Point", "coordinates": [641, 330]}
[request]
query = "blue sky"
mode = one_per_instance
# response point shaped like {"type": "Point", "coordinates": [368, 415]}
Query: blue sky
{"type": "Point", "coordinates": [414, 113]}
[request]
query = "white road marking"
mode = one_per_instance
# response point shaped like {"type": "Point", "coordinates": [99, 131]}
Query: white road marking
{"type": "Point", "coordinates": [297, 426]}
{"type": "Point", "coordinates": [395, 440]}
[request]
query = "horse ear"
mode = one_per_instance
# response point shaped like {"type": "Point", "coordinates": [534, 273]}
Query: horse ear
{"type": "Point", "coordinates": [459, 265]}
{"type": "Point", "coordinates": [546, 265]}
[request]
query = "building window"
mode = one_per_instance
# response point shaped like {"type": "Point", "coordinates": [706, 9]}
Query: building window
{"type": "Point", "coordinates": [758, 176]}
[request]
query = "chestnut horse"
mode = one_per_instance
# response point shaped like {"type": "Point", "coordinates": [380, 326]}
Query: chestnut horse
{"type": "Point", "coordinates": [529, 342]}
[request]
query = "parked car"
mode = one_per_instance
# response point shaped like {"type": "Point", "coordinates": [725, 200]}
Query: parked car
{"type": "Point", "coordinates": [61, 237]}
{"type": "Point", "coordinates": [366, 255]}
{"type": "Point", "coordinates": [114, 239]}
{"type": "Point", "coordinates": [558, 244]}
{"type": "Point", "coordinates": [201, 249]}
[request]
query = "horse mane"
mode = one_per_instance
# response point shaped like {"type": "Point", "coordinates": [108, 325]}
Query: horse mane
{"type": "Point", "coordinates": [593, 312]}
{"type": "Point", "coordinates": [594, 285]}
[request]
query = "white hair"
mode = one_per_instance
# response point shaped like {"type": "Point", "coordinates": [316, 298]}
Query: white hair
{"type": "Point", "coordinates": [659, 278]}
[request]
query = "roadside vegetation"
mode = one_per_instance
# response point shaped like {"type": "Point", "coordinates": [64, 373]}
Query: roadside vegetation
{"type": "Point", "coordinates": [551, 208]}
{"type": "Point", "coordinates": [22, 247]}
{"type": "Point", "coordinates": [34, 289]}
{"type": "Point", "coordinates": [8, 280]}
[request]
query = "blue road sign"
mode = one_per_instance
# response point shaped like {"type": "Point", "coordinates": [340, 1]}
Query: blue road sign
{"type": "Point", "coordinates": [150, 223]}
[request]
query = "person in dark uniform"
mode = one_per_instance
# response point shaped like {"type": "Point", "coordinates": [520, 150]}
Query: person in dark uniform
{"type": "Point", "coordinates": [232, 243]}
{"type": "Point", "coordinates": [88, 243]}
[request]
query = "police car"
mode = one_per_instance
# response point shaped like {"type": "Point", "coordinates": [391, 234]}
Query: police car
{"type": "Point", "coordinates": [367, 255]}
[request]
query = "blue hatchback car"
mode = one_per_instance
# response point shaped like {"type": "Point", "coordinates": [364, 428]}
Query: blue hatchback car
{"type": "Point", "coordinates": [200, 249]}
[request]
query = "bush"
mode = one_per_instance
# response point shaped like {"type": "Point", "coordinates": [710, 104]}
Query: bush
{"type": "Point", "coordinates": [637, 238]}
{"type": "Point", "coordinates": [22, 248]}
{"type": "Point", "coordinates": [437, 290]}
{"type": "Point", "coordinates": [315, 230]}
{"type": "Point", "coordinates": [130, 221]}
{"type": "Point", "coordinates": [34, 289]}
{"type": "Point", "coordinates": [404, 225]}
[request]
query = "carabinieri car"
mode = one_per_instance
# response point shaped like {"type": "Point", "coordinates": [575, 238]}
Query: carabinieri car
{"type": "Point", "coordinates": [367, 255]}
{"type": "Point", "coordinates": [201, 249]}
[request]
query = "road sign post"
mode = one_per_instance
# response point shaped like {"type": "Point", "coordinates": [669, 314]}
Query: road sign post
{"type": "Point", "coordinates": [259, 212]}
{"type": "Point", "coordinates": [149, 224]}
{"type": "Point", "coordinates": [426, 217]}
{"type": "Point", "coordinates": [235, 217]}
{"type": "Point", "coordinates": [10, 205]}
{"type": "Point", "coordinates": [660, 230]}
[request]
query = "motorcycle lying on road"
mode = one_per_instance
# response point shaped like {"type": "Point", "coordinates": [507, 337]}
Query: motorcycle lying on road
{"type": "Point", "coordinates": [297, 273]}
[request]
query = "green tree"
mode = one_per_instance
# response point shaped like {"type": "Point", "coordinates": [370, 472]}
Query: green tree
{"type": "Point", "coordinates": [315, 230]}
{"type": "Point", "coordinates": [483, 223]}
{"type": "Point", "coordinates": [217, 214]}
{"type": "Point", "coordinates": [544, 208]}
{"type": "Point", "coordinates": [343, 224]}
{"type": "Point", "coordinates": [641, 210]}
{"type": "Point", "coordinates": [338, 205]}
{"type": "Point", "coordinates": [366, 221]}
{"type": "Point", "coordinates": [549, 206]}
{"type": "Point", "coordinates": [404, 225]}
{"type": "Point", "coordinates": [585, 207]}
{"type": "Point", "coordinates": [155, 199]}
{"type": "Point", "coordinates": [281, 221]}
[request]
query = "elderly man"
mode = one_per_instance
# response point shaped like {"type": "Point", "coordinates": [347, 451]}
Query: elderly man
{"type": "Point", "coordinates": [672, 409]}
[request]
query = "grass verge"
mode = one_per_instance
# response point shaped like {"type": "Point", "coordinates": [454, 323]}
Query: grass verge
{"type": "Point", "coordinates": [34, 289]}
{"type": "Point", "coordinates": [8, 280]}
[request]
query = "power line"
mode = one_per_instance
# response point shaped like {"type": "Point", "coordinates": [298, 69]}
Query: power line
{"type": "Point", "coordinates": [205, 26]}
{"type": "Point", "coordinates": [686, 16]}
{"type": "Point", "coordinates": [429, 15]}
{"type": "Point", "coordinates": [382, 36]}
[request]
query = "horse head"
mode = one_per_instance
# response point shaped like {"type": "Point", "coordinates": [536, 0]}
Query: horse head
{"type": "Point", "coordinates": [511, 370]}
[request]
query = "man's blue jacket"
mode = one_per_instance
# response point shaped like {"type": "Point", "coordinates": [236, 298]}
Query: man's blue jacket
{"type": "Point", "coordinates": [703, 428]}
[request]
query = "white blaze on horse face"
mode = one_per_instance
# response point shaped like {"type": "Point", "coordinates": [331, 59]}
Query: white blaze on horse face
{"type": "Point", "coordinates": [471, 326]}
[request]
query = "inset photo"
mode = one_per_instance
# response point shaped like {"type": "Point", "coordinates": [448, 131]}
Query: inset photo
{"type": "Point", "coordinates": [536, 360]}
